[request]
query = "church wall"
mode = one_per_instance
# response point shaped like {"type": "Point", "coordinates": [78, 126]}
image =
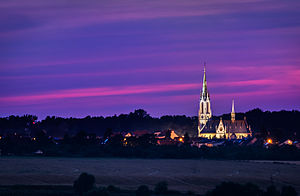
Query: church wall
{"type": "Point", "coordinates": [224, 136]}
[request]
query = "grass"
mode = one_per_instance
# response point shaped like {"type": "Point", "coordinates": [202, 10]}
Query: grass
{"type": "Point", "coordinates": [181, 175]}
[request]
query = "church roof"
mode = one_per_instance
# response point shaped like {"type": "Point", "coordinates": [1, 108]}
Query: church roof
{"type": "Point", "coordinates": [237, 126]}
{"type": "Point", "coordinates": [211, 126]}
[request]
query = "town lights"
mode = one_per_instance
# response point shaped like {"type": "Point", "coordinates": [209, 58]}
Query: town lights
{"type": "Point", "coordinates": [290, 142]}
{"type": "Point", "coordinates": [270, 141]}
{"type": "Point", "coordinates": [180, 139]}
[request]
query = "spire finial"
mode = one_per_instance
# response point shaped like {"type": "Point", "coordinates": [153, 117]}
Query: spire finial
{"type": "Point", "coordinates": [204, 66]}
{"type": "Point", "coordinates": [204, 87]}
{"type": "Point", "coordinates": [232, 110]}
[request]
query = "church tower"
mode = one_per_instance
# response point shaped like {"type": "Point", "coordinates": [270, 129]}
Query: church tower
{"type": "Point", "coordinates": [204, 108]}
{"type": "Point", "coordinates": [232, 112]}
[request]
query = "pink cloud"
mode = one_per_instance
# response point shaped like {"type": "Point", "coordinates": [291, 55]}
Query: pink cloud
{"type": "Point", "coordinates": [275, 87]}
{"type": "Point", "coordinates": [244, 83]}
{"type": "Point", "coordinates": [93, 92]}
{"type": "Point", "coordinates": [260, 93]}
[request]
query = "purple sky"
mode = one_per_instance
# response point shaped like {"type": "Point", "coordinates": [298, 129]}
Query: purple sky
{"type": "Point", "coordinates": [72, 58]}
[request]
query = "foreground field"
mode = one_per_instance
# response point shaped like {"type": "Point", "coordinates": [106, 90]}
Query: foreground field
{"type": "Point", "coordinates": [183, 175]}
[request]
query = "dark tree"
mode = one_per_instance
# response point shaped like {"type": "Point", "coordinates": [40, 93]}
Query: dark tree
{"type": "Point", "coordinates": [272, 191]}
{"type": "Point", "coordinates": [143, 190]}
{"type": "Point", "coordinates": [41, 136]}
{"type": "Point", "coordinates": [161, 187]}
{"type": "Point", "coordinates": [108, 133]}
{"type": "Point", "coordinates": [67, 138]}
{"type": "Point", "coordinates": [116, 141]}
{"type": "Point", "coordinates": [84, 183]}
{"type": "Point", "coordinates": [288, 191]}
{"type": "Point", "coordinates": [168, 134]}
{"type": "Point", "coordinates": [234, 189]}
{"type": "Point", "coordinates": [80, 137]}
{"type": "Point", "coordinates": [186, 138]}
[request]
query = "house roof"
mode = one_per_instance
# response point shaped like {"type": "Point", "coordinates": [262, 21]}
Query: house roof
{"type": "Point", "coordinates": [141, 132]}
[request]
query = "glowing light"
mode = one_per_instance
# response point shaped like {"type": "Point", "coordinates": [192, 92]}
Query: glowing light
{"type": "Point", "coordinates": [209, 145]}
{"type": "Point", "coordinates": [180, 139]}
{"type": "Point", "coordinates": [290, 142]}
{"type": "Point", "coordinates": [0, 137]}
{"type": "Point", "coordinates": [270, 141]}
{"type": "Point", "coordinates": [34, 139]}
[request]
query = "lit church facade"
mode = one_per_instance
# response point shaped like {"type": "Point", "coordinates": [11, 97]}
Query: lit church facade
{"type": "Point", "coordinates": [209, 128]}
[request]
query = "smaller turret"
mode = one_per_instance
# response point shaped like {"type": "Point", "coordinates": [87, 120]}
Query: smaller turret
{"type": "Point", "coordinates": [232, 112]}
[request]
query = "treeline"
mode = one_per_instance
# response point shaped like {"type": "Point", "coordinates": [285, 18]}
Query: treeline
{"type": "Point", "coordinates": [137, 120]}
{"type": "Point", "coordinates": [280, 125]}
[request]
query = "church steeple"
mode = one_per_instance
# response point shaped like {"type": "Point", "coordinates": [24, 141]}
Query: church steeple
{"type": "Point", "coordinates": [204, 86]}
{"type": "Point", "coordinates": [204, 106]}
{"type": "Point", "coordinates": [232, 112]}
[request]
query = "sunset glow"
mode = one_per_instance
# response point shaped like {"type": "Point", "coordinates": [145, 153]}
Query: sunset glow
{"type": "Point", "coordinates": [104, 58]}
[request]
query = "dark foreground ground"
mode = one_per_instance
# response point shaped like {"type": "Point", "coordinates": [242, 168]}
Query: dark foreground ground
{"type": "Point", "coordinates": [182, 175]}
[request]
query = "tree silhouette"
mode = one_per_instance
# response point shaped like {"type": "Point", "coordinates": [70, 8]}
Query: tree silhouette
{"type": "Point", "coordinates": [186, 138]}
{"type": "Point", "coordinates": [84, 183]}
{"type": "Point", "coordinates": [161, 187]}
{"type": "Point", "coordinates": [143, 190]}
{"type": "Point", "coordinates": [108, 133]}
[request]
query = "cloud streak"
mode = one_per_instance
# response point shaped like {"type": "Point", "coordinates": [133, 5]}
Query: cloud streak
{"type": "Point", "coordinates": [143, 89]}
{"type": "Point", "coordinates": [63, 15]}
{"type": "Point", "coordinates": [92, 92]}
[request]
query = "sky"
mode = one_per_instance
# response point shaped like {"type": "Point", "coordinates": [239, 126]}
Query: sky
{"type": "Point", "coordinates": [74, 58]}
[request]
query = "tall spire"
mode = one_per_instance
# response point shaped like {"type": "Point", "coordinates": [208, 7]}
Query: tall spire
{"type": "Point", "coordinates": [204, 87]}
{"type": "Point", "coordinates": [232, 109]}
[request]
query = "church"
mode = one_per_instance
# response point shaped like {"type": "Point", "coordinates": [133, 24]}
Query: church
{"type": "Point", "coordinates": [211, 129]}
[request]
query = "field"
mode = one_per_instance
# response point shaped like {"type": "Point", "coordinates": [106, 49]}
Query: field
{"type": "Point", "coordinates": [183, 175]}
